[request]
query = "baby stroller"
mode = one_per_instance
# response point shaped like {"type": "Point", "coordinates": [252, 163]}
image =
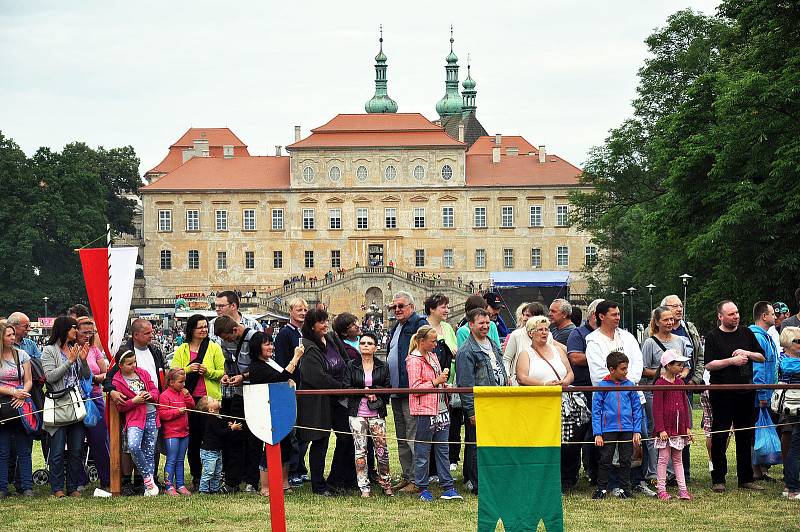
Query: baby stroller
{"type": "Point", "coordinates": [42, 476]}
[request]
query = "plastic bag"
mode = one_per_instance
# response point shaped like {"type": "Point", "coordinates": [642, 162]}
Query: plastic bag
{"type": "Point", "coordinates": [92, 412]}
{"type": "Point", "coordinates": [767, 446]}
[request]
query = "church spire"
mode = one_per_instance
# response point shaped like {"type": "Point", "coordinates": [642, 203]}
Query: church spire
{"type": "Point", "coordinates": [469, 93]}
{"type": "Point", "coordinates": [451, 103]}
{"type": "Point", "coordinates": [380, 103]}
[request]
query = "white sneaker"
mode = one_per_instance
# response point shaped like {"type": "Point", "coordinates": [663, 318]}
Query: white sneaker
{"type": "Point", "coordinates": [468, 485]}
{"type": "Point", "coordinates": [101, 493]}
{"type": "Point", "coordinates": [615, 492]}
{"type": "Point", "coordinates": [453, 467]}
{"type": "Point", "coordinates": [249, 488]}
{"type": "Point", "coordinates": [433, 478]}
{"type": "Point", "coordinates": [710, 466]}
{"type": "Point", "coordinates": [644, 489]}
{"type": "Point", "coordinates": [150, 487]}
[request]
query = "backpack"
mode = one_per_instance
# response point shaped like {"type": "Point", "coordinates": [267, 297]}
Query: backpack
{"type": "Point", "coordinates": [37, 389]}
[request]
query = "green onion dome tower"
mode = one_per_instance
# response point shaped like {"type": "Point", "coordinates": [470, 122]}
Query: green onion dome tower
{"type": "Point", "coordinates": [452, 101]}
{"type": "Point", "coordinates": [380, 103]}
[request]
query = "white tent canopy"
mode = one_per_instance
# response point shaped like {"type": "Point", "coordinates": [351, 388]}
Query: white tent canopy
{"type": "Point", "coordinates": [533, 278]}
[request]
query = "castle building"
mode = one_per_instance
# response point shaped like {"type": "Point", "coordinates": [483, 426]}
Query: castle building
{"type": "Point", "coordinates": [438, 197]}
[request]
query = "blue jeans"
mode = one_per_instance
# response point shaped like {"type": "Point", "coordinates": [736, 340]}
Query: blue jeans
{"type": "Point", "coordinates": [791, 475]}
{"type": "Point", "coordinates": [176, 456]}
{"type": "Point", "coordinates": [422, 452]}
{"type": "Point", "coordinates": [71, 437]}
{"type": "Point", "coordinates": [12, 434]}
{"type": "Point", "coordinates": [142, 446]}
{"type": "Point", "coordinates": [212, 471]}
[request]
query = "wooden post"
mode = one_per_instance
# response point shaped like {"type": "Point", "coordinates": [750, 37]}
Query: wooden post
{"type": "Point", "coordinates": [277, 510]}
{"type": "Point", "coordinates": [114, 447]}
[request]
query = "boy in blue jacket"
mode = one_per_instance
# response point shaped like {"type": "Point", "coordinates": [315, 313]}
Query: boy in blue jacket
{"type": "Point", "coordinates": [616, 416]}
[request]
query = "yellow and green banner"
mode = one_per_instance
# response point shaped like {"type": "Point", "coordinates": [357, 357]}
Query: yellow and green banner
{"type": "Point", "coordinates": [519, 457]}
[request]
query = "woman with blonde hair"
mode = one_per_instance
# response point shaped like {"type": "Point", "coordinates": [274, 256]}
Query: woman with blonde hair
{"type": "Point", "coordinates": [430, 412]}
{"type": "Point", "coordinates": [542, 364]}
{"type": "Point", "coordinates": [519, 340]}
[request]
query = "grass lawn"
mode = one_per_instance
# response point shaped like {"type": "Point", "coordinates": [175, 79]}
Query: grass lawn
{"type": "Point", "coordinates": [708, 511]}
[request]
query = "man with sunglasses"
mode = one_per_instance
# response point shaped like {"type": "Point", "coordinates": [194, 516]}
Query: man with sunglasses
{"type": "Point", "coordinates": [227, 304]}
{"type": "Point", "coordinates": [400, 335]}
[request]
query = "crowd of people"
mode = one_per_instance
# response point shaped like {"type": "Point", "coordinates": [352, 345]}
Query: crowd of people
{"type": "Point", "coordinates": [192, 409]}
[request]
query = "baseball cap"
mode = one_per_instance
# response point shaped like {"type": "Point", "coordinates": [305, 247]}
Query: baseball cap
{"type": "Point", "coordinates": [780, 307]}
{"type": "Point", "coordinates": [494, 300]}
{"type": "Point", "coordinates": [670, 355]}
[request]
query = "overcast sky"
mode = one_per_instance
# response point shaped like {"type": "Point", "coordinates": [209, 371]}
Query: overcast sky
{"type": "Point", "coordinates": [112, 73]}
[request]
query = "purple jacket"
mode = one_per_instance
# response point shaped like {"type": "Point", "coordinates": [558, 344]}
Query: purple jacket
{"type": "Point", "coordinates": [135, 414]}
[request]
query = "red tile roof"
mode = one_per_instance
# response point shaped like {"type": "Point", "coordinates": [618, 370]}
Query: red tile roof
{"type": "Point", "coordinates": [377, 130]}
{"type": "Point", "coordinates": [520, 170]}
{"type": "Point", "coordinates": [217, 173]}
{"type": "Point", "coordinates": [484, 145]}
{"type": "Point", "coordinates": [217, 137]}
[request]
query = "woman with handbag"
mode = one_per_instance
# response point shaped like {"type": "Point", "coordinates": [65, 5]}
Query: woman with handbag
{"type": "Point", "coordinates": [15, 385]}
{"type": "Point", "coordinates": [64, 364]}
{"type": "Point", "coordinates": [367, 413]}
{"type": "Point", "coordinates": [204, 364]}
{"type": "Point", "coordinates": [546, 364]}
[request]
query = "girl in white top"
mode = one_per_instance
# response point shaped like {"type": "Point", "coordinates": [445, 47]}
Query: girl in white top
{"type": "Point", "coordinates": [542, 364]}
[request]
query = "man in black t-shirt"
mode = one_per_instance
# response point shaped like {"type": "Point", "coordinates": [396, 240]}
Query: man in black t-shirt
{"type": "Point", "coordinates": [729, 355]}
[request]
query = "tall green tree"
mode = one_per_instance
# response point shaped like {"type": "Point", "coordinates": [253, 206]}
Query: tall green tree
{"type": "Point", "coordinates": [59, 202]}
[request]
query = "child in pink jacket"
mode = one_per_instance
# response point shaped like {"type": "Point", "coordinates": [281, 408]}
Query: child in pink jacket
{"type": "Point", "coordinates": [141, 419]}
{"type": "Point", "coordinates": [175, 400]}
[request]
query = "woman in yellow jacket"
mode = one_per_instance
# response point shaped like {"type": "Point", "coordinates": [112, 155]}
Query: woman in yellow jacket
{"type": "Point", "coordinates": [204, 364]}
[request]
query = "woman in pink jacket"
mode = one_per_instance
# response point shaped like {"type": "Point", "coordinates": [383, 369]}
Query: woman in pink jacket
{"type": "Point", "coordinates": [174, 402]}
{"type": "Point", "coordinates": [430, 411]}
{"type": "Point", "coordinates": [141, 419]}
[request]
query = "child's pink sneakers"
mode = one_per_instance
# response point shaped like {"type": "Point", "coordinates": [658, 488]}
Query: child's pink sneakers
{"type": "Point", "coordinates": [184, 491]}
{"type": "Point", "coordinates": [684, 495]}
{"type": "Point", "coordinates": [664, 496]}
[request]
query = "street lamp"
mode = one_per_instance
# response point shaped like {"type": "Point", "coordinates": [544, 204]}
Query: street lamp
{"type": "Point", "coordinates": [632, 291]}
{"type": "Point", "coordinates": [45, 305]}
{"type": "Point", "coordinates": [624, 293]}
{"type": "Point", "coordinates": [650, 291]}
{"type": "Point", "coordinates": [685, 278]}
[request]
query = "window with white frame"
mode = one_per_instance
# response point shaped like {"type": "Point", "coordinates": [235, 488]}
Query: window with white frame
{"type": "Point", "coordinates": [308, 174]}
{"type": "Point", "coordinates": [222, 260]}
{"type": "Point", "coordinates": [309, 259]}
{"type": "Point", "coordinates": [249, 260]}
{"type": "Point", "coordinates": [419, 172]}
{"type": "Point", "coordinates": [419, 258]}
{"type": "Point", "coordinates": [390, 173]}
{"type": "Point", "coordinates": [308, 219]}
{"type": "Point", "coordinates": [536, 257]}
{"type": "Point", "coordinates": [508, 258]}
{"type": "Point", "coordinates": [536, 215]}
{"type": "Point", "coordinates": [448, 217]}
{"type": "Point", "coordinates": [165, 220]}
{"type": "Point", "coordinates": [562, 215]}
{"type": "Point", "coordinates": [480, 258]}
{"type": "Point", "coordinates": [591, 255]}
{"type": "Point", "coordinates": [277, 259]}
{"type": "Point", "coordinates": [362, 218]}
{"type": "Point", "coordinates": [221, 217]}
{"type": "Point", "coordinates": [166, 259]}
{"type": "Point", "coordinates": [194, 259]}
{"type": "Point", "coordinates": [562, 256]}
{"type": "Point", "coordinates": [390, 214]}
{"type": "Point", "coordinates": [249, 219]}
{"type": "Point", "coordinates": [335, 174]}
{"type": "Point", "coordinates": [335, 217]}
{"type": "Point", "coordinates": [507, 216]}
{"type": "Point", "coordinates": [419, 217]}
{"type": "Point", "coordinates": [192, 220]}
{"type": "Point", "coordinates": [447, 258]}
{"type": "Point", "coordinates": [336, 258]}
{"type": "Point", "coordinates": [277, 219]}
{"type": "Point", "coordinates": [479, 219]}
{"type": "Point", "coordinates": [447, 172]}
{"type": "Point", "coordinates": [361, 173]}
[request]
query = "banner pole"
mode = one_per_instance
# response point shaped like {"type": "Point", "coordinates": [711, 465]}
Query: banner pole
{"type": "Point", "coordinates": [277, 509]}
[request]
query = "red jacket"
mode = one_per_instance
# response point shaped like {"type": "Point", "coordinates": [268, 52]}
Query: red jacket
{"type": "Point", "coordinates": [174, 423]}
{"type": "Point", "coordinates": [135, 413]}
{"type": "Point", "coordinates": [421, 371]}
{"type": "Point", "coordinates": [670, 409]}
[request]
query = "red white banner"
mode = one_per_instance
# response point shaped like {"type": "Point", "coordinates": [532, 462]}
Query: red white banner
{"type": "Point", "coordinates": [110, 301]}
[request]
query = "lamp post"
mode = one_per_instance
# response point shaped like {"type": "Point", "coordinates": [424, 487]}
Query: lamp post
{"type": "Point", "coordinates": [632, 291]}
{"type": "Point", "coordinates": [623, 307]}
{"type": "Point", "coordinates": [650, 291]}
{"type": "Point", "coordinates": [685, 278]}
{"type": "Point", "coordinates": [45, 305]}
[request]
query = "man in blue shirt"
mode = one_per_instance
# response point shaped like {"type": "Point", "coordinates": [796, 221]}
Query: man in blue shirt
{"type": "Point", "coordinates": [764, 372]}
{"type": "Point", "coordinates": [22, 324]}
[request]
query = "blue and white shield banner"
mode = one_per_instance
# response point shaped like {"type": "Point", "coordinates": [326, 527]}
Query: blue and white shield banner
{"type": "Point", "coordinates": [270, 410]}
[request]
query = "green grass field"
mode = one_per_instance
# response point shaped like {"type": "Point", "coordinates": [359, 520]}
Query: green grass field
{"type": "Point", "coordinates": [708, 511]}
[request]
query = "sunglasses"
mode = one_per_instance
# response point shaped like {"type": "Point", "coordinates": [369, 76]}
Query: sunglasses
{"type": "Point", "coordinates": [366, 343]}
{"type": "Point", "coordinates": [399, 306]}
{"type": "Point", "coordinates": [73, 327]}
{"type": "Point", "coordinates": [796, 341]}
